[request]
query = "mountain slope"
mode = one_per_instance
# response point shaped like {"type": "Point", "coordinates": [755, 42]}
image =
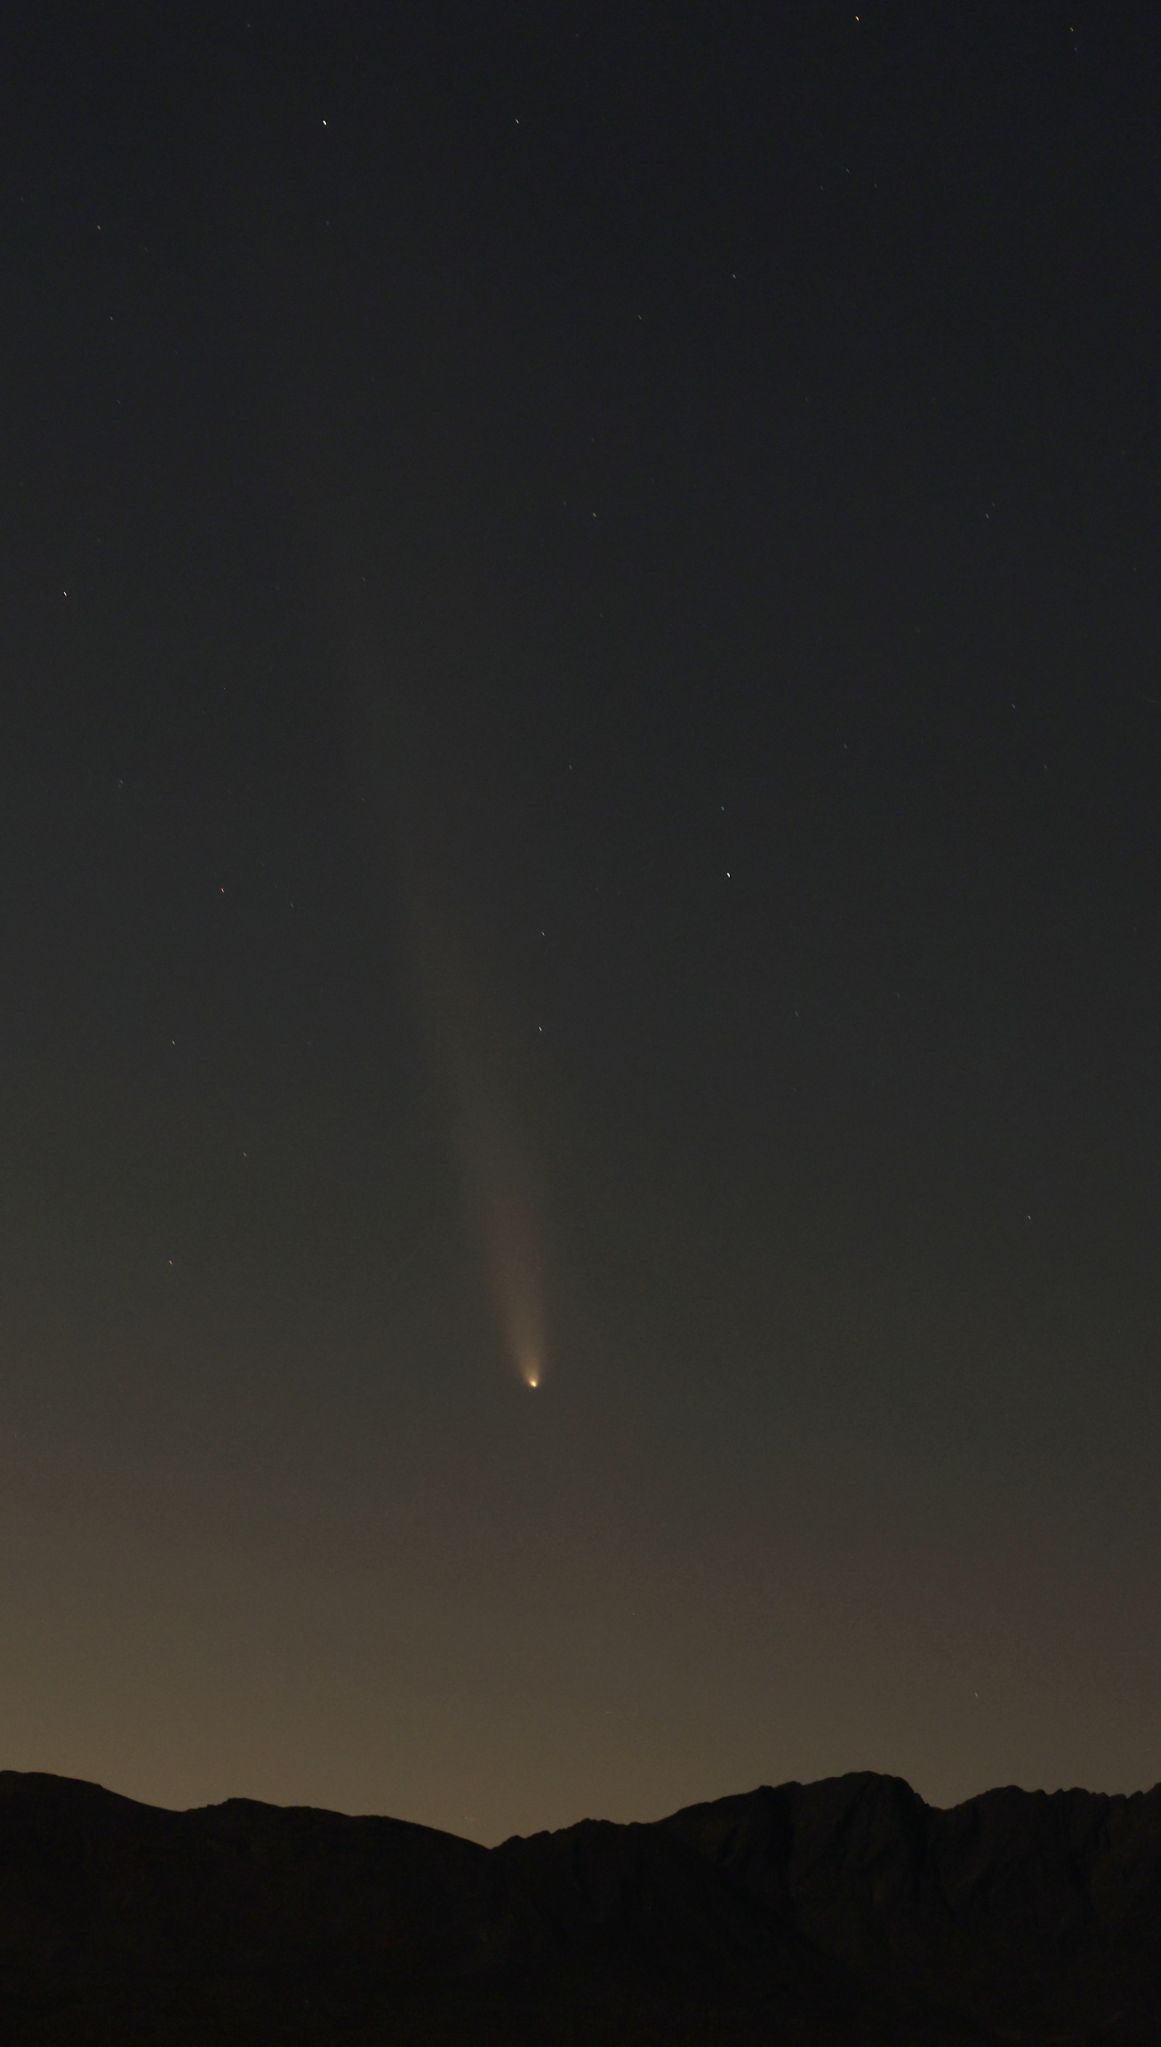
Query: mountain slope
{"type": "Point", "coordinates": [843, 1912]}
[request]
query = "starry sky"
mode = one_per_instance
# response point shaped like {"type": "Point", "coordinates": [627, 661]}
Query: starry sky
{"type": "Point", "coordinates": [580, 786]}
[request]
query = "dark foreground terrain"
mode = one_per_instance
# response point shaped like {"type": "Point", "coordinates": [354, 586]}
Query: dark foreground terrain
{"type": "Point", "coordinates": [811, 1915]}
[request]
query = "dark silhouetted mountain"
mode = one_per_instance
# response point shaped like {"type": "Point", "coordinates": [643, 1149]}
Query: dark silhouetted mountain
{"type": "Point", "coordinates": [811, 1915]}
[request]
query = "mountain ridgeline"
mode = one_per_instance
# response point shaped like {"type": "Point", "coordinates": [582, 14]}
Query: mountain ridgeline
{"type": "Point", "coordinates": [845, 1913]}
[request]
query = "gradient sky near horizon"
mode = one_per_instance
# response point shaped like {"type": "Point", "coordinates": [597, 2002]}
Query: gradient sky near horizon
{"type": "Point", "coordinates": [581, 793]}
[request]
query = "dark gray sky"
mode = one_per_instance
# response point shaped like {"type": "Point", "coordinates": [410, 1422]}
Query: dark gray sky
{"type": "Point", "coordinates": [580, 779]}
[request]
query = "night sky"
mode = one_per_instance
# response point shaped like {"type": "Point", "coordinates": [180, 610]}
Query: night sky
{"type": "Point", "coordinates": [581, 799]}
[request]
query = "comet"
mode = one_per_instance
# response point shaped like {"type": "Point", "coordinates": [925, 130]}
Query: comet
{"type": "Point", "coordinates": [443, 926]}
